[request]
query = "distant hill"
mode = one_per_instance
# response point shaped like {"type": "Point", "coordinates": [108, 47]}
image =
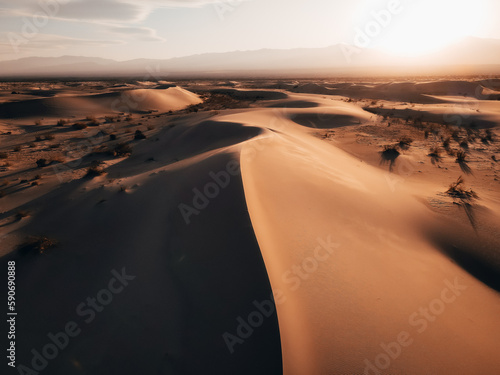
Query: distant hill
{"type": "Point", "coordinates": [470, 56]}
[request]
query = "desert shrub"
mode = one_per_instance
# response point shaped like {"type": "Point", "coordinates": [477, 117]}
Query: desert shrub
{"type": "Point", "coordinates": [2, 194]}
{"type": "Point", "coordinates": [50, 137]}
{"type": "Point", "coordinates": [17, 148]}
{"type": "Point", "coordinates": [390, 153]}
{"type": "Point", "coordinates": [38, 245]}
{"type": "Point", "coordinates": [151, 127]}
{"type": "Point", "coordinates": [405, 142]}
{"type": "Point", "coordinates": [39, 138]}
{"type": "Point", "coordinates": [92, 121]}
{"type": "Point", "coordinates": [55, 145]}
{"type": "Point", "coordinates": [435, 152]}
{"type": "Point", "coordinates": [139, 135]}
{"type": "Point", "coordinates": [461, 156]}
{"type": "Point", "coordinates": [32, 145]}
{"type": "Point", "coordinates": [128, 118]}
{"type": "Point", "coordinates": [38, 122]}
{"type": "Point", "coordinates": [464, 144]}
{"type": "Point", "coordinates": [457, 191]}
{"type": "Point", "coordinates": [41, 163]}
{"type": "Point", "coordinates": [37, 177]}
{"type": "Point", "coordinates": [122, 149]}
{"type": "Point", "coordinates": [62, 122]}
{"type": "Point", "coordinates": [3, 155]}
{"type": "Point", "coordinates": [112, 137]}
{"type": "Point", "coordinates": [79, 126]}
{"type": "Point", "coordinates": [95, 170]}
{"type": "Point", "coordinates": [446, 143]}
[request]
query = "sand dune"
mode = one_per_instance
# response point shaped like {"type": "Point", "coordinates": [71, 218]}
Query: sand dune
{"type": "Point", "coordinates": [218, 212]}
{"type": "Point", "coordinates": [128, 101]}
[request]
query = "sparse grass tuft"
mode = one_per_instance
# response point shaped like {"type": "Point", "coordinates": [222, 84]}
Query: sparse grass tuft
{"type": "Point", "coordinates": [457, 191]}
{"type": "Point", "coordinates": [461, 156]}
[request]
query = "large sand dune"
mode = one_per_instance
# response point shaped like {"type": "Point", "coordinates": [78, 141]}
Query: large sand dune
{"type": "Point", "coordinates": [128, 101]}
{"type": "Point", "coordinates": [216, 213]}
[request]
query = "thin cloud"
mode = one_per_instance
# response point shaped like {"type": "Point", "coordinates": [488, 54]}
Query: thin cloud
{"type": "Point", "coordinates": [144, 34]}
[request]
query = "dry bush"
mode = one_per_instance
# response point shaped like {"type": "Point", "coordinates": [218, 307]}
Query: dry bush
{"type": "Point", "coordinates": [446, 143]}
{"type": "Point", "coordinates": [457, 191]}
{"type": "Point", "coordinates": [435, 152]}
{"type": "Point", "coordinates": [79, 126]}
{"type": "Point", "coordinates": [461, 156]}
{"type": "Point", "coordinates": [139, 135]}
{"type": "Point", "coordinates": [121, 150]}
{"type": "Point", "coordinates": [41, 163]}
{"type": "Point", "coordinates": [38, 245]}
{"type": "Point", "coordinates": [405, 142]}
{"type": "Point", "coordinates": [95, 169]}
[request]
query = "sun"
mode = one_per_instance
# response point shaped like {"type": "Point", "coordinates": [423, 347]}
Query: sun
{"type": "Point", "coordinates": [425, 26]}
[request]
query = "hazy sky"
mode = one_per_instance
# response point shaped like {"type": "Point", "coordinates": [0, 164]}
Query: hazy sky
{"type": "Point", "coordinates": [127, 29]}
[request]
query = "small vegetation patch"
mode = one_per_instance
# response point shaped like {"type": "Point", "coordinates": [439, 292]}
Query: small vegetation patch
{"type": "Point", "coordinates": [38, 245]}
{"type": "Point", "coordinates": [79, 126]}
{"type": "Point", "coordinates": [122, 150]}
{"type": "Point", "coordinates": [458, 191]}
{"type": "Point", "coordinates": [95, 169]}
{"type": "Point", "coordinates": [461, 156]}
{"type": "Point", "coordinates": [139, 135]}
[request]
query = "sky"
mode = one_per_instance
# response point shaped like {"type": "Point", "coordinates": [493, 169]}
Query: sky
{"type": "Point", "coordinates": [162, 29]}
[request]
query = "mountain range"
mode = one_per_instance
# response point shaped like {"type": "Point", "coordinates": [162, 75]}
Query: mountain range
{"type": "Point", "coordinates": [470, 56]}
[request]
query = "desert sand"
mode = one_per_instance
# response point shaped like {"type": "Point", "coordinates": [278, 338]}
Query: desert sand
{"type": "Point", "coordinates": [329, 196]}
